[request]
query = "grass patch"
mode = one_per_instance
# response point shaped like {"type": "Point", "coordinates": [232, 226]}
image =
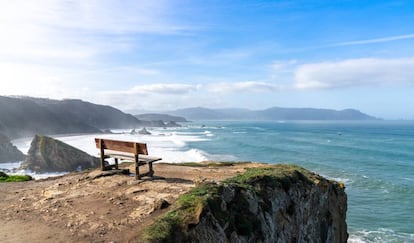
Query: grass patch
{"type": "Point", "coordinates": [276, 175]}
{"type": "Point", "coordinates": [15, 178]}
{"type": "Point", "coordinates": [173, 225]}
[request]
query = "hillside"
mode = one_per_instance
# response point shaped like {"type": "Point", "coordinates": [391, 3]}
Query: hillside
{"type": "Point", "coordinates": [274, 113]}
{"type": "Point", "coordinates": [160, 117]}
{"type": "Point", "coordinates": [26, 116]}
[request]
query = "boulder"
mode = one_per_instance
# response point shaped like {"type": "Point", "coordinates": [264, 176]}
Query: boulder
{"type": "Point", "coordinates": [172, 124]}
{"type": "Point", "coordinates": [9, 152]}
{"type": "Point", "coordinates": [50, 155]}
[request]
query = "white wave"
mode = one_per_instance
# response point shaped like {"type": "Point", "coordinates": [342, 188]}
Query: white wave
{"type": "Point", "coordinates": [23, 144]}
{"type": "Point", "coordinates": [346, 181]}
{"type": "Point", "coordinates": [38, 176]}
{"type": "Point", "coordinates": [408, 179]}
{"type": "Point", "coordinates": [379, 235]}
{"type": "Point", "coordinates": [165, 143]}
{"type": "Point", "coordinates": [10, 166]}
{"type": "Point", "coordinates": [208, 134]}
{"type": "Point", "coordinates": [176, 156]}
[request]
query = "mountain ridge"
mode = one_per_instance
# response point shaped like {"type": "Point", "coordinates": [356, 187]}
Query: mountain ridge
{"type": "Point", "coordinates": [24, 116]}
{"type": "Point", "coordinates": [272, 113]}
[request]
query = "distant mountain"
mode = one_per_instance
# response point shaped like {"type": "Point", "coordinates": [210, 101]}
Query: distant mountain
{"type": "Point", "coordinates": [274, 113]}
{"type": "Point", "coordinates": [23, 117]}
{"type": "Point", "coordinates": [26, 116]}
{"type": "Point", "coordinates": [160, 117]}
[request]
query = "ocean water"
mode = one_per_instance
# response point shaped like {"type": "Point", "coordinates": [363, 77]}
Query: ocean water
{"type": "Point", "coordinates": [375, 160]}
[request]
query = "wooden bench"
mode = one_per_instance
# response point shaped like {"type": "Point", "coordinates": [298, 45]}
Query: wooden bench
{"type": "Point", "coordinates": [125, 150]}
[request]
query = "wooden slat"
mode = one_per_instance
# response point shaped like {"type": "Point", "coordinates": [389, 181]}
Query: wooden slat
{"type": "Point", "coordinates": [123, 146]}
{"type": "Point", "coordinates": [128, 156]}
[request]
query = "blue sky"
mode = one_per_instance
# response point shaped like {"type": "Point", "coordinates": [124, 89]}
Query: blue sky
{"type": "Point", "coordinates": [163, 55]}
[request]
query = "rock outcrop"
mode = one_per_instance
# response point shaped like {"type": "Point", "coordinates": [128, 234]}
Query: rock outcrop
{"type": "Point", "coordinates": [144, 131]}
{"type": "Point", "coordinates": [50, 155]}
{"type": "Point", "coordinates": [281, 203]}
{"type": "Point", "coordinates": [9, 152]}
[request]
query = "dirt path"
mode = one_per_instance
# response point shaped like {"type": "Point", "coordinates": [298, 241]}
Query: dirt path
{"type": "Point", "coordinates": [82, 208]}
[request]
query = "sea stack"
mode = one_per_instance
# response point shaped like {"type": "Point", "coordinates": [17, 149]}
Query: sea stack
{"type": "Point", "coordinates": [50, 155]}
{"type": "Point", "coordinates": [9, 152]}
{"type": "Point", "coordinates": [144, 131]}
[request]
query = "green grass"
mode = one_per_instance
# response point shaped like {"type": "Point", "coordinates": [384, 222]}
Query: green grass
{"type": "Point", "coordinates": [188, 208]}
{"type": "Point", "coordinates": [15, 178]}
{"type": "Point", "coordinates": [276, 175]}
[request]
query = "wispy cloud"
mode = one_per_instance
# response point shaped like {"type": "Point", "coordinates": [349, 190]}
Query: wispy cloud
{"type": "Point", "coordinates": [355, 72]}
{"type": "Point", "coordinates": [160, 88]}
{"type": "Point", "coordinates": [375, 40]}
{"type": "Point", "coordinates": [250, 86]}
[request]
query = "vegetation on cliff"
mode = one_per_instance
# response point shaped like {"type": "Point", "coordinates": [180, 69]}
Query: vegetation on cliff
{"type": "Point", "coordinates": [247, 208]}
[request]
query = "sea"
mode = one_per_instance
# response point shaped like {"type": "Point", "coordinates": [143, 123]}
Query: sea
{"type": "Point", "coordinates": [374, 159]}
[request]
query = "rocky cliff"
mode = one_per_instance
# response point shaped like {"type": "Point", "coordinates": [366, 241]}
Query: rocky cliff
{"type": "Point", "coordinates": [9, 152]}
{"type": "Point", "coordinates": [276, 204]}
{"type": "Point", "coordinates": [50, 155]}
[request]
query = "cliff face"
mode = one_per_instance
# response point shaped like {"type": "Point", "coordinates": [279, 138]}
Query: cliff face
{"type": "Point", "coordinates": [276, 204]}
{"type": "Point", "coordinates": [50, 155]}
{"type": "Point", "coordinates": [9, 152]}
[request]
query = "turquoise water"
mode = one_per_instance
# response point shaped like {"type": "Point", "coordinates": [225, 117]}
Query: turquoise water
{"type": "Point", "coordinates": [375, 160]}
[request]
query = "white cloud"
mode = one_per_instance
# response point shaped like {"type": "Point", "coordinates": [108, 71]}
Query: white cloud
{"type": "Point", "coordinates": [154, 89]}
{"type": "Point", "coordinates": [77, 29]}
{"type": "Point", "coordinates": [164, 89]}
{"type": "Point", "coordinates": [355, 72]}
{"type": "Point", "coordinates": [376, 40]}
{"type": "Point", "coordinates": [282, 66]}
{"type": "Point", "coordinates": [250, 86]}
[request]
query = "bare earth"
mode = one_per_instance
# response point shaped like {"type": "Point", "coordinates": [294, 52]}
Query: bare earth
{"type": "Point", "coordinates": [80, 207]}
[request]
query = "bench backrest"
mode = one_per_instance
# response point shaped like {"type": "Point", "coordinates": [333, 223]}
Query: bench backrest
{"type": "Point", "coordinates": [122, 146]}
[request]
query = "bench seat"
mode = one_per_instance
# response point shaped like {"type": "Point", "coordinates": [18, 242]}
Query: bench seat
{"type": "Point", "coordinates": [124, 150]}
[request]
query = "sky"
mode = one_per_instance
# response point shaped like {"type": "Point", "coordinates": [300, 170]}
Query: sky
{"type": "Point", "coordinates": [163, 55]}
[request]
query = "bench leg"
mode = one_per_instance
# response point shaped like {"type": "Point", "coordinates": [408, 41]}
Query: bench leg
{"type": "Point", "coordinates": [137, 168]}
{"type": "Point", "coordinates": [116, 163]}
{"type": "Point", "coordinates": [103, 167]}
{"type": "Point", "coordinates": [151, 171]}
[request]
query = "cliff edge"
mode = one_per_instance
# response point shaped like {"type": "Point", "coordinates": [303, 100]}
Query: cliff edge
{"type": "Point", "coordinates": [281, 203]}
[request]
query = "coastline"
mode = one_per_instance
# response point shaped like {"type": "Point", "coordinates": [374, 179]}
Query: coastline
{"type": "Point", "coordinates": [374, 160]}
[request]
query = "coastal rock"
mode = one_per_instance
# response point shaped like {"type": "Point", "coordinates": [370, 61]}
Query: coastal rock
{"type": "Point", "coordinates": [50, 155]}
{"type": "Point", "coordinates": [144, 131]}
{"type": "Point", "coordinates": [9, 152]}
{"type": "Point", "coordinates": [282, 203]}
{"type": "Point", "coordinates": [172, 124]}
